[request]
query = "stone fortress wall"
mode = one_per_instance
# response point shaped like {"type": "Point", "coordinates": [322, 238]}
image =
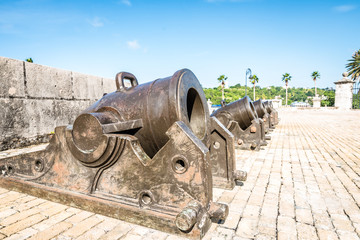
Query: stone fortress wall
{"type": "Point", "coordinates": [34, 99]}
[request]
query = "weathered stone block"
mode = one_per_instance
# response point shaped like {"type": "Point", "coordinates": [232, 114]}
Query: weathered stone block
{"type": "Point", "coordinates": [12, 118]}
{"type": "Point", "coordinates": [109, 85]}
{"type": "Point", "coordinates": [39, 115]}
{"type": "Point", "coordinates": [11, 77]}
{"type": "Point", "coordinates": [87, 86]}
{"type": "Point", "coordinates": [47, 82]}
{"type": "Point", "coordinates": [67, 111]}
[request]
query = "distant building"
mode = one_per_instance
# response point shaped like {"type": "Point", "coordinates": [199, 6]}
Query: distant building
{"type": "Point", "coordinates": [300, 104]}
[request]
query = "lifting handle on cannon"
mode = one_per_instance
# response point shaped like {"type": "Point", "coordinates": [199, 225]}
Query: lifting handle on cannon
{"type": "Point", "coordinates": [120, 86]}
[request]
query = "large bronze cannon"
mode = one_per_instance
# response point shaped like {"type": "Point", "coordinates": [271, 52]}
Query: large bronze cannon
{"type": "Point", "coordinates": [241, 119]}
{"type": "Point", "coordinates": [140, 154]}
{"type": "Point", "coordinates": [262, 113]}
{"type": "Point", "coordinates": [272, 112]}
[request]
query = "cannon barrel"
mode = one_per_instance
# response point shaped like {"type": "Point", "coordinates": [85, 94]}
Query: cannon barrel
{"type": "Point", "coordinates": [260, 108]}
{"type": "Point", "coordinates": [268, 106]}
{"type": "Point", "coordinates": [146, 111]}
{"type": "Point", "coordinates": [241, 111]}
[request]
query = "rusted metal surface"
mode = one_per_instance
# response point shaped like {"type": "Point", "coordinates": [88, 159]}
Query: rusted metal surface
{"type": "Point", "coordinates": [241, 119]}
{"type": "Point", "coordinates": [139, 154]}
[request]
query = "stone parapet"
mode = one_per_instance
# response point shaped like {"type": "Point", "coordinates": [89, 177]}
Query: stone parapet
{"type": "Point", "coordinates": [34, 99]}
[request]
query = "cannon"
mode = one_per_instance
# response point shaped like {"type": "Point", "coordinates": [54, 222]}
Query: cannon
{"type": "Point", "coordinates": [262, 113]}
{"type": "Point", "coordinates": [273, 113]}
{"type": "Point", "coordinates": [140, 154]}
{"type": "Point", "coordinates": [241, 119]}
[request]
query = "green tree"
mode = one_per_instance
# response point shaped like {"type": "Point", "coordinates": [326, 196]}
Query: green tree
{"type": "Point", "coordinates": [254, 79]}
{"type": "Point", "coordinates": [315, 75]}
{"type": "Point", "coordinates": [29, 60]}
{"type": "Point", "coordinates": [286, 78]}
{"type": "Point", "coordinates": [353, 66]}
{"type": "Point", "coordinates": [222, 80]}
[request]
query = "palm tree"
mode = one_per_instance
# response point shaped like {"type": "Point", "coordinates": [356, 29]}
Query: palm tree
{"type": "Point", "coordinates": [315, 75]}
{"type": "Point", "coordinates": [286, 77]}
{"type": "Point", "coordinates": [353, 66]}
{"type": "Point", "coordinates": [254, 79]}
{"type": "Point", "coordinates": [222, 80]}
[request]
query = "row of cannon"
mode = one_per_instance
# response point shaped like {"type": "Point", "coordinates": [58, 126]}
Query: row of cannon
{"type": "Point", "coordinates": [149, 154]}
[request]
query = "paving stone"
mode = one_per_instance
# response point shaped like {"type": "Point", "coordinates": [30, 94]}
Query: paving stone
{"type": "Point", "coordinates": [30, 204]}
{"type": "Point", "coordinates": [232, 220]}
{"type": "Point", "coordinates": [287, 208]}
{"type": "Point", "coordinates": [155, 235]}
{"type": "Point", "coordinates": [347, 235]}
{"type": "Point", "coordinates": [269, 210]}
{"type": "Point", "coordinates": [119, 231]}
{"type": "Point", "coordinates": [341, 222]}
{"type": "Point", "coordinates": [286, 225]}
{"type": "Point", "coordinates": [264, 237]}
{"type": "Point", "coordinates": [19, 216]}
{"type": "Point", "coordinates": [247, 228]}
{"type": "Point", "coordinates": [20, 225]}
{"type": "Point", "coordinates": [306, 231]}
{"type": "Point", "coordinates": [6, 213]}
{"type": "Point", "coordinates": [287, 236]}
{"type": "Point", "coordinates": [251, 211]}
{"type": "Point", "coordinates": [23, 234]}
{"type": "Point", "coordinates": [81, 227]}
{"type": "Point", "coordinates": [304, 216]}
{"type": "Point", "coordinates": [52, 231]}
{"type": "Point", "coordinates": [55, 219]}
{"type": "Point", "coordinates": [326, 234]}
{"type": "Point", "coordinates": [78, 217]}
{"type": "Point", "coordinates": [267, 226]}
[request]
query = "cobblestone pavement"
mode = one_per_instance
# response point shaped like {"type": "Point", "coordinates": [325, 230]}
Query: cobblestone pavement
{"type": "Point", "coordinates": [303, 185]}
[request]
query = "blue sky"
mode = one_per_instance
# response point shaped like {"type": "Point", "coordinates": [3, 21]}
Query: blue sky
{"type": "Point", "coordinates": [153, 39]}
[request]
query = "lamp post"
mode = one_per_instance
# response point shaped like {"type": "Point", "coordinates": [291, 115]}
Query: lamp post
{"type": "Point", "coordinates": [248, 72]}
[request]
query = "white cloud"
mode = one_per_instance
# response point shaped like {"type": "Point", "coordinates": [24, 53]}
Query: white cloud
{"type": "Point", "coordinates": [133, 44]}
{"type": "Point", "coordinates": [126, 2]}
{"type": "Point", "coordinates": [96, 22]}
{"type": "Point", "coordinates": [344, 8]}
